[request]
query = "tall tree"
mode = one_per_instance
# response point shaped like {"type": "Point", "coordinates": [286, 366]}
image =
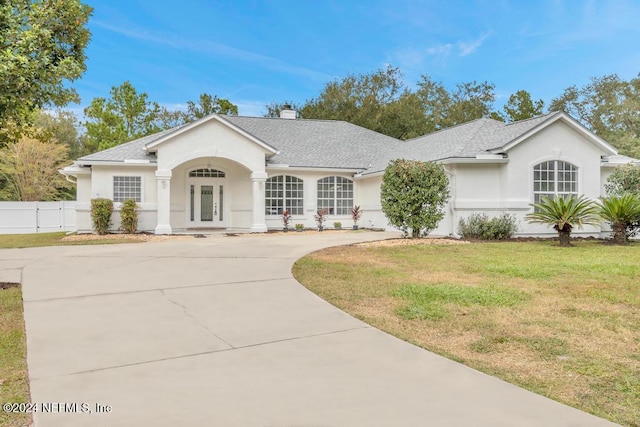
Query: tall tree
{"type": "Point", "coordinates": [443, 108]}
{"type": "Point", "coordinates": [30, 169]}
{"type": "Point", "coordinates": [521, 107]}
{"type": "Point", "coordinates": [126, 115]}
{"type": "Point", "coordinates": [62, 127]}
{"type": "Point", "coordinates": [205, 106]}
{"type": "Point", "coordinates": [610, 107]}
{"type": "Point", "coordinates": [42, 44]}
{"type": "Point", "coordinates": [377, 101]}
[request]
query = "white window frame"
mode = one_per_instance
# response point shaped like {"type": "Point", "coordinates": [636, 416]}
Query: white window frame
{"type": "Point", "coordinates": [332, 196]}
{"type": "Point", "coordinates": [555, 178]}
{"type": "Point", "coordinates": [120, 199]}
{"type": "Point", "coordinates": [284, 187]}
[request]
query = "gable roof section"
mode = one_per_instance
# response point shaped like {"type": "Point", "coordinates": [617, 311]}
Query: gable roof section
{"type": "Point", "coordinates": [152, 145]}
{"type": "Point", "coordinates": [482, 137]}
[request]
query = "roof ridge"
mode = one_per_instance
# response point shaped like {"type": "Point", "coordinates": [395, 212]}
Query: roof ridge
{"type": "Point", "coordinates": [549, 114]}
{"type": "Point", "coordinates": [449, 128]}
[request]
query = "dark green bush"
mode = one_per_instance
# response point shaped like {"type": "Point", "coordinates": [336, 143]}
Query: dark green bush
{"type": "Point", "coordinates": [101, 210]}
{"type": "Point", "coordinates": [129, 216]}
{"type": "Point", "coordinates": [480, 226]}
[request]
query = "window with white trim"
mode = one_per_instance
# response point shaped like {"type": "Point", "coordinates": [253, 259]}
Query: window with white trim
{"type": "Point", "coordinates": [284, 192]}
{"type": "Point", "coordinates": [554, 178]}
{"type": "Point", "coordinates": [335, 194]}
{"type": "Point", "coordinates": [127, 187]}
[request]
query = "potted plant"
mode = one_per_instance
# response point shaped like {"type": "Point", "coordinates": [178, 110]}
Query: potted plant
{"type": "Point", "coordinates": [286, 217]}
{"type": "Point", "coordinates": [356, 213]}
{"type": "Point", "coordinates": [320, 217]}
{"type": "Point", "coordinates": [337, 225]}
{"type": "Point", "coordinates": [299, 227]}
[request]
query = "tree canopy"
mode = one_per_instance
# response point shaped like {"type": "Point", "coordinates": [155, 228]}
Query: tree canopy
{"type": "Point", "coordinates": [42, 44]}
{"type": "Point", "coordinates": [610, 107]}
{"type": "Point", "coordinates": [521, 107]}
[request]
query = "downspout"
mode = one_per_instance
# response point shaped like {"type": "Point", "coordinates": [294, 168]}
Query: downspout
{"type": "Point", "coordinates": [452, 184]}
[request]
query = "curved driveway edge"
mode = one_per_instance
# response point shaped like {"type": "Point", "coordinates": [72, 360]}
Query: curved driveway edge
{"type": "Point", "coordinates": [217, 332]}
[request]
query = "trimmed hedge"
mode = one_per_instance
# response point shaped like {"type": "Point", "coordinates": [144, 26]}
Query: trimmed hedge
{"type": "Point", "coordinates": [101, 210]}
{"type": "Point", "coordinates": [129, 216]}
{"type": "Point", "coordinates": [479, 226]}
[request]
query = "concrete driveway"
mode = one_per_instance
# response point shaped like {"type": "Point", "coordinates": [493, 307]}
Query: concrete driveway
{"type": "Point", "coordinates": [216, 332]}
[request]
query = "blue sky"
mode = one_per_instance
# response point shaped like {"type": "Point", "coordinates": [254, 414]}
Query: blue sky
{"type": "Point", "coordinates": [256, 52]}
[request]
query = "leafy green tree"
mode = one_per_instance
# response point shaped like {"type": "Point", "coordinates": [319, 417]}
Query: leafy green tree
{"type": "Point", "coordinates": [377, 101]}
{"type": "Point", "coordinates": [443, 109]}
{"type": "Point", "coordinates": [623, 213]}
{"type": "Point", "coordinates": [30, 167]}
{"type": "Point", "coordinates": [206, 105]}
{"type": "Point", "coordinates": [42, 45]}
{"type": "Point", "coordinates": [125, 116]}
{"type": "Point", "coordinates": [564, 214]}
{"type": "Point", "coordinates": [413, 195]}
{"type": "Point", "coordinates": [61, 127]}
{"type": "Point", "coordinates": [609, 107]}
{"type": "Point", "coordinates": [521, 107]}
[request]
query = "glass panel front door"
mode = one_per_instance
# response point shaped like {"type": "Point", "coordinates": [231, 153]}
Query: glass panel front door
{"type": "Point", "coordinates": [205, 203]}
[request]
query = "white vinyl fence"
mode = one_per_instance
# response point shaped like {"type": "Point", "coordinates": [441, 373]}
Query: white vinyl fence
{"type": "Point", "coordinates": [37, 217]}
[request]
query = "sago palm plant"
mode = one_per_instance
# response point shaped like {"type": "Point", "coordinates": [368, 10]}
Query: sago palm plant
{"type": "Point", "coordinates": [620, 212]}
{"type": "Point", "coordinates": [564, 214]}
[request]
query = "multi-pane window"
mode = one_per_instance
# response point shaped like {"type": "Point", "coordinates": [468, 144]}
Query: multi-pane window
{"type": "Point", "coordinates": [127, 187]}
{"type": "Point", "coordinates": [284, 192]}
{"type": "Point", "coordinates": [206, 173]}
{"type": "Point", "coordinates": [554, 178]}
{"type": "Point", "coordinates": [335, 194]}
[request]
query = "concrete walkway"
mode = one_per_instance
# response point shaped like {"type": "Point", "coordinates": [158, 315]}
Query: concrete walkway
{"type": "Point", "coordinates": [216, 332]}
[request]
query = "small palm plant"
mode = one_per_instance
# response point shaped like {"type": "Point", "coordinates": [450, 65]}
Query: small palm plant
{"type": "Point", "coordinates": [620, 212]}
{"type": "Point", "coordinates": [564, 214]}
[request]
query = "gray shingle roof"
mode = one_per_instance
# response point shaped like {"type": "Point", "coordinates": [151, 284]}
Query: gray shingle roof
{"type": "Point", "coordinates": [317, 143]}
{"type": "Point", "coordinates": [134, 150]}
{"type": "Point", "coordinates": [342, 145]}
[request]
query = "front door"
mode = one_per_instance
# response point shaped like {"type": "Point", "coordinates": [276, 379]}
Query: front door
{"type": "Point", "coordinates": [206, 203]}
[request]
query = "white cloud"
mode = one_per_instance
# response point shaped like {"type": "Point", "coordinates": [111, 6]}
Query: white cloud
{"type": "Point", "coordinates": [467, 48]}
{"type": "Point", "coordinates": [443, 49]}
{"type": "Point", "coordinates": [215, 48]}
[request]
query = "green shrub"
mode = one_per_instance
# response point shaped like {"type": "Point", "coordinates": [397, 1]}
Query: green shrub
{"type": "Point", "coordinates": [480, 226]}
{"type": "Point", "coordinates": [101, 210]}
{"type": "Point", "coordinates": [129, 216]}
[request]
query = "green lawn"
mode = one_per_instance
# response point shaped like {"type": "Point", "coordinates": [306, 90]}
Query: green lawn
{"type": "Point", "coordinates": [51, 239]}
{"type": "Point", "coordinates": [562, 322]}
{"type": "Point", "coordinates": [14, 386]}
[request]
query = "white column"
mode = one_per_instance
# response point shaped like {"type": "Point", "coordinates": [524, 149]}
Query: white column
{"type": "Point", "coordinates": [258, 179]}
{"type": "Point", "coordinates": [163, 180]}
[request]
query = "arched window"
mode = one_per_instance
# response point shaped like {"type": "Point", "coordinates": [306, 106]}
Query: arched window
{"type": "Point", "coordinates": [284, 192]}
{"type": "Point", "coordinates": [554, 178]}
{"type": "Point", "coordinates": [206, 173]}
{"type": "Point", "coordinates": [335, 194]}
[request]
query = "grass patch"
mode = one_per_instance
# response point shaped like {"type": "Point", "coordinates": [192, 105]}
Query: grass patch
{"type": "Point", "coordinates": [14, 386]}
{"type": "Point", "coordinates": [51, 239]}
{"type": "Point", "coordinates": [562, 322]}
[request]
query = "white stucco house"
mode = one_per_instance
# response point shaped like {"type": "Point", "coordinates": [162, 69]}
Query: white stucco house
{"type": "Point", "coordinates": [239, 173]}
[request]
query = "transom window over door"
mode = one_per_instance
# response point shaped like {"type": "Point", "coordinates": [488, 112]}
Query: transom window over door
{"type": "Point", "coordinates": [335, 194]}
{"type": "Point", "coordinates": [206, 173]}
{"type": "Point", "coordinates": [554, 178]}
{"type": "Point", "coordinates": [284, 192]}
